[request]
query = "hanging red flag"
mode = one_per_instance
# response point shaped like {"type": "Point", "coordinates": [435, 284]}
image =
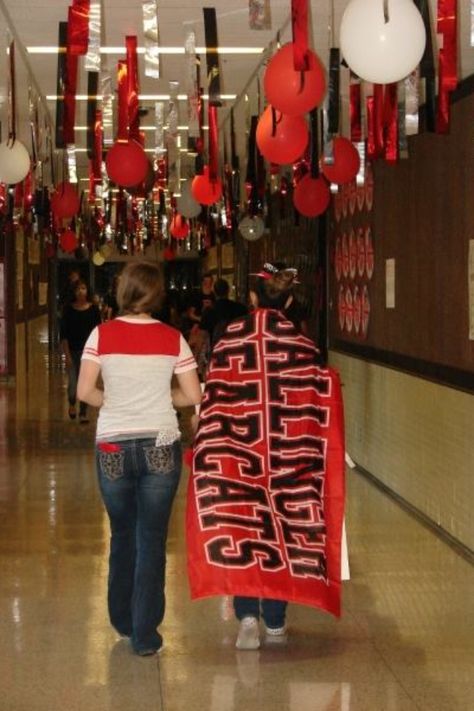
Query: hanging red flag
{"type": "Point", "coordinates": [448, 57]}
{"type": "Point", "coordinates": [213, 143]}
{"type": "Point", "coordinates": [391, 122]}
{"type": "Point", "coordinates": [122, 110]}
{"type": "Point", "coordinates": [299, 24]}
{"type": "Point", "coordinates": [78, 27]}
{"type": "Point", "coordinates": [132, 89]}
{"type": "Point", "coordinates": [355, 112]}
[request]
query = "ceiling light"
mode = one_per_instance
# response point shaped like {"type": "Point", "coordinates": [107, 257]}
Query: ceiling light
{"type": "Point", "coordinates": [141, 97]}
{"type": "Point", "coordinates": [160, 50]}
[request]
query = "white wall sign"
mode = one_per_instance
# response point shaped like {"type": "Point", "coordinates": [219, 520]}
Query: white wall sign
{"type": "Point", "coordinates": [390, 283]}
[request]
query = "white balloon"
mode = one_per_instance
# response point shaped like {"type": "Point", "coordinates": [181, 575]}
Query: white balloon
{"type": "Point", "coordinates": [14, 162]}
{"type": "Point", "coordinates": [251, 228]}
{"type": "Point", "coordinates": [186, 204]}
{"type": "Point", "coordinates": [378, 51]}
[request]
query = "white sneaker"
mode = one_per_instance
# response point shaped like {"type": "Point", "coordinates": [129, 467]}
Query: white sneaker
{"type": "Point", "coordinates": [249, 636]}
{"type": "Point", "coordinates": [276, 635]}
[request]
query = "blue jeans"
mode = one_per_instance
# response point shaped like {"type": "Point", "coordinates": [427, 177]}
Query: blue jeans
{"type": "Point", "coordinates": [138, 483]}
{"type": "Point", "coordinates": [273, 611]}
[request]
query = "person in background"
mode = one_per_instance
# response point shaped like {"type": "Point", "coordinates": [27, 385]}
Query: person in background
{"type": "Point", "coordinates": [202, 300]}
{"type": "Point", "coordinates": [79, 317]}
{"type": "Point", "coordinates": [215, 320]}
{"type": "Point", "coordinates": [293, 309]}
{"type": "Point", "coordinates": [138, 450]}
{"type": "Point", "coordinates": [110, 308]}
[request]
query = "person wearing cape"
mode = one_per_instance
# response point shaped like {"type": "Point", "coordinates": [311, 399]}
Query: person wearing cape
{"type": "Point", "coordinates": [265, 499]}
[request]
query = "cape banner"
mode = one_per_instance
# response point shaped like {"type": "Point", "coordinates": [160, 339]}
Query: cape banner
{"type": "Point", "coordinates": [266, 495]}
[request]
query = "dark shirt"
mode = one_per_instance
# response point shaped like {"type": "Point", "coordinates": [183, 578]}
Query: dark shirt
{"type": "Point", "coordinates": [296, 313]}
{"type": "Point", "coordinates": [215, 319]}
{"type": "Point", "coordinates": [201, 301]}
{"type": "Point", "coordinates": [77, 324]}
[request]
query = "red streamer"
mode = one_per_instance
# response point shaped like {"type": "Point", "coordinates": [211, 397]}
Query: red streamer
{"type": "Point", "coordinates": [97, 159]}
{"type": "Point", "coordinates": [122, 110]}
{"type": "Point", "coordinates": [213, 143]}
{"type": "Point", "coordinates": [70, 97]}
{"type": "Point", "coordinates": [132, 89]}
{"type": "Point", "coordinates": [355, 112]}
{"type": "Point", "coordinates": [378, 119]}
{"type": "Point", "coordinates": [299, 24]}
{"type": "Point", "coordinates": [78, 27]}
{"type": "Point", "coordinates": [448, 57]}
{"type": "Point", "coordinates": [391, 122]}
{"type": "Point", "coordinates": [370, 128]}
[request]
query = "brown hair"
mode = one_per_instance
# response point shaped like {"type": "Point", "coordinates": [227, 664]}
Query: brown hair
{"type": "Point", "coordinates": [140, 288]}
{"type": "Point", "coordinates": [273, 292]}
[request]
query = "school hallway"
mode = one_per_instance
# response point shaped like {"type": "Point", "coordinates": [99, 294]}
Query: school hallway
{"type": "Point", "coordinates": [405, 640]}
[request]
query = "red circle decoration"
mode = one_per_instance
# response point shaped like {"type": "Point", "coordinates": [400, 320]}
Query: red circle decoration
{"type": "Point", "coordinates": [369, 253]}
{"type": "Point", "coordinates": [289, 140]}
{"type": "Point", "coordinates": [357, 309]}
{"type": "Point", "coordinates": [341, 307]}
{"type": "Point", "coordinates": [365, 311]}
{"type": "Point", "coordinates": [68, 241]}
{"type": "Point", "coordinates": [346, 162]}
{"type": "Point", "coordinates": [290, 91]}
{"type": "Point", "coordinates": [126, 163]}
{"type": "Point", "coordinates": [65, 201]}
{"type": "Point", "coordinates": [345, 255]}
{"type": "Point", "coordinates": [338, 259]}
{"type": "Point", "coordinates": [311, 196]}
{"type": "Point", "coordinates": [360, 252]}
{"type": "Point", "coordinates": [352, 255]}
{"type": "Point", "coordinates": [205, 191]}
{"type": "Point", "coordinates": [349, 310]}
{"type": "Point", "coordinates": [179, 227]}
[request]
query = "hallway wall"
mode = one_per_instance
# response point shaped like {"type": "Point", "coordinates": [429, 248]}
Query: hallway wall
{"type": "Point", "coordinates": [416, 437]}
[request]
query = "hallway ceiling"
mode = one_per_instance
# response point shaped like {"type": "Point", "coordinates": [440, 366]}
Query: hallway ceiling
{"type": "Point", "coordinates": [35, 25]}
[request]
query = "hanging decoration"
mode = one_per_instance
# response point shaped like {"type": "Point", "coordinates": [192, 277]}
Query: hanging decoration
{"type": "Point", "coordinates": [92, 87]}
{"type": "Point", "coordinates": [299, 27]}
{"type": "Point", "coordinates": [448, 58]}
{"type": "Point", "coordinates": [334, 91]}
{"type": "Point", "coordinates": [152, 39]}
{"type": "Point", "coordinates": [355, 113]}
{"type": "Point", "coordinates": [186, 205]}
{"type": "Point", "coordinates": [204, 190]}
{"type": "Point", "coordinates": [68, 241]}
{"type": "Point", "coordinates": [132, 88]}
{"type": "Point", "coordinates": [159, 129]}
{"type": "Point", "coordinates": [107, 105]}
{"type": "Point", "coordinates": [191, 85]}
{"type": "Point", "coordinates": [382, 43]}
{"type": "Point", "coordinates": [412, 104]}
{"type": "Point", "coordinates": [391, 123]}
{"type": "Point", "coordinates": [92, 61]}
{"type": "Point", "coordinates": [14, 158]}
{"type": "Point", "coordinates": [179, 227]}
{"type": "Point", "coordinates": [290, 91]}
{"type": "Point", "coordinates": [65, 201]}
{"type": "Point", "coordinates": [346, 162]}
{"type": "Point", "coordinates": [281, 138]}
{"type": "Point", "coordinates": [251, 228]}
{"type": "Point", "coordinates": [212, 56]}
{"type": "Point", "coordinates": [71, 163]}
{"type": "Point", "coordinates": [78, 27]}
{"type": "Point", "coordinates": [172, 139]}
{"type": "Point", "coordinates": [259, 15]}
{"type": "Point", "coordinates": [213, 142]}
{"type": "Point", "coordinates": [61, 84]}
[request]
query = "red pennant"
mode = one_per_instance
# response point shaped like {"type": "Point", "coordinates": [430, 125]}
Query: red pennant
{"type": "Point", "coordinates": [391, 122]}
{"type": "Point", "coordinates": [122, 111]}
{"type": "Point", "coordinates": [78, 27]}
{"type": "Point", "coordinates": [213, 143]}
{"type": "Point", "coordinates": [448, 78]}
{"type": "Point", "coordinates": [97, 160]}
{"type": "Point", "coordinates": [299, 23]}
{"type": "Point", "coordinates": [132, 89]}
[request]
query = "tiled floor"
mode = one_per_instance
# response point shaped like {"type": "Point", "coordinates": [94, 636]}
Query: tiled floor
{"type": "Point", "coordinates": [405, 641]}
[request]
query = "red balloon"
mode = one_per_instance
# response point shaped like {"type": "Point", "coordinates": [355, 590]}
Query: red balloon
{"type": "Point", "coordinates": [294, 92]}
{"type": "Point", "coordinates": [126, 163]}
{"type": "Point", "coordinates": [290, 139]}
{"type": "Point", "coordinates": [346, 162]}
{"type": "Point", "coordinates": [311, 196]}
{"type": "Point", "coordinates": [205, 191]}
{"type": "Point", "coordinates": [65, 201]}
{"type": "Point", "coordinates": [179, 227]}
{"type": "Point", "coordinates": [68, 241]}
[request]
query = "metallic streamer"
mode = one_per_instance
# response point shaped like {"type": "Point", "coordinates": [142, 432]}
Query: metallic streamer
{"type": "Point", "coordinates": [412, 103]}
{"type": "Point", "coordinates": [360, 177]}
{"type": "Point", "coordinates": [191, 86]}
{"type": "Point", "coordinates": [60, 85]}
{"type": "Point", "coordinates": [78, 27]}
{"type": "Point", "coordinates": [92, 61]}
{"type": "Point", "coordinates": [172, 138]}
{"type": "Point", "coordinates": [71, 162]}
{"type": "Point", "coordinates": [152, 39]}
{"type": "Point", "coordinates": [259, 15]}
{"type": "Point", "coordinates": [402, 115]}
{"type": "Point", "coordinates": [92, 86]}
{"type": "Point", "coordinates": [132, 87]}
{"type": "Point", "coordinates": [159, 130]}
{"type": "Point", "coordinates": [107, 105]}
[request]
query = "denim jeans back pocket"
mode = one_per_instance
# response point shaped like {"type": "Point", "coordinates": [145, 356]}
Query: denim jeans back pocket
{"type": "Point", "coordinates": [160, 460]}
{"type": "Point", "coordinates": [112, 464]}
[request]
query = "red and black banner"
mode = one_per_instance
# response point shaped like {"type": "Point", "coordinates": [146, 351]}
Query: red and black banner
{"type": "Point", "coordinates": [266, 495]}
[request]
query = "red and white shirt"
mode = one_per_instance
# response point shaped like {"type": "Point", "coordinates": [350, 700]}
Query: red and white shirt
{"type": "Point", "coordinates": [138, 358]}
